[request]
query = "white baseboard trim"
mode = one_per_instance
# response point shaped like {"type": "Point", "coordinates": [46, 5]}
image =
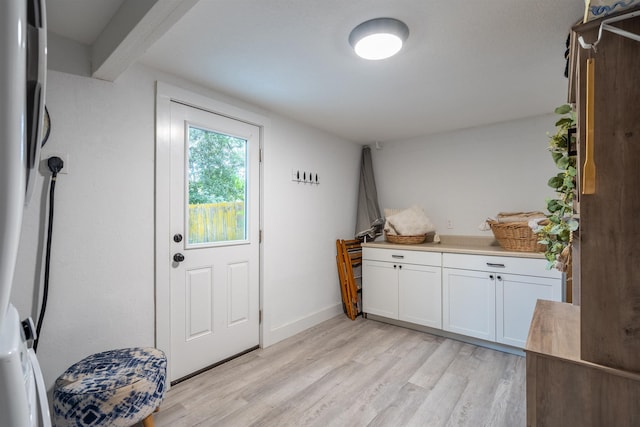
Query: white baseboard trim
{"type": "Point", "coordinates": [287, 330]}
{"type": "Point", "coordinates": [440, 332]}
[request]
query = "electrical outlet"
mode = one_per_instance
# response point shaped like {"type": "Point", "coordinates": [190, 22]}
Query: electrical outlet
{"type": "Point", "coordinates": [450, 224]}
{"type": "Point", "coordinates": [65, 158]}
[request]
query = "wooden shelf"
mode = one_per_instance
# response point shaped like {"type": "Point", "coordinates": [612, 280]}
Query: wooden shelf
{"type": "Point", "coordinates": [563, 389]}
{"type": "Point", "coordinates": [555, 330]}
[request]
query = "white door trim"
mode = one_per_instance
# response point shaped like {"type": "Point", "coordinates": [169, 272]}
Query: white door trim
{"type": "Point", "coordinates": [165, 94]}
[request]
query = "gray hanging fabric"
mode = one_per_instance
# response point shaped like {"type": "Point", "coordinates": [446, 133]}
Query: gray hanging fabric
{"type": "Point", "coordinates": [369, 220]}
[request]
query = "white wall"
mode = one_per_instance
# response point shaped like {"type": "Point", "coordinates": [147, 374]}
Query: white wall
{"type": "Point", "coordinates": [101, 290]}
{"type": "Point", "coordinates": [102, 270]}
{"type": "Point", "coordinates": [469, 175]}
{"type": "Point", "coordinates": [302, 223]}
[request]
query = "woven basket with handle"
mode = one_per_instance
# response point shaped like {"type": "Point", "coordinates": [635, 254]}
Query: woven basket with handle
{"type": "Point", "coordinates": [516, 236]}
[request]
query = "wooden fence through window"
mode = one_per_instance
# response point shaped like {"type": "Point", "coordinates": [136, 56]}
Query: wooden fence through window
{"type": "Point", "coordinates": [216, 222]}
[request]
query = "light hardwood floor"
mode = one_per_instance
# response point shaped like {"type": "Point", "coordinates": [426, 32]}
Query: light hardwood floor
{"type": "Point", "coordinates": [355, 373]}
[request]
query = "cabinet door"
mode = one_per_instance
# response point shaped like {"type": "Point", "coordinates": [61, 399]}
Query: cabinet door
{"type": "Point", "coordinates": [469, 303]}
{"type": "Point", "coordinates": [420, 295]}
{"type": "Point", "coordinates": [380, 288]}
{"type": "Point", "coordinates": [516, 298]}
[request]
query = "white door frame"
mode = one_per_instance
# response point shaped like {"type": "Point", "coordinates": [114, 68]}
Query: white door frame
{"type": "Point", "coordinates": [165, 94]}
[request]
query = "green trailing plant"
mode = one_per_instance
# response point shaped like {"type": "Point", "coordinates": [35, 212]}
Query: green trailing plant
{"type": "Point", "coordinates": [557, 232]}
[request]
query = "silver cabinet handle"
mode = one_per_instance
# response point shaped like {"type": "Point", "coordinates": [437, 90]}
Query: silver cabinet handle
{"type": "Point", "coordinates": [397, 256]}
{"type": "Point", "coordinates": [491, 264]}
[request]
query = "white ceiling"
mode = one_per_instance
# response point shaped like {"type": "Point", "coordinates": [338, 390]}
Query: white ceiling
{"type": "Point", "coordinates": [464, 64]}
{"type": "Point", "coordinates": [81, 21]}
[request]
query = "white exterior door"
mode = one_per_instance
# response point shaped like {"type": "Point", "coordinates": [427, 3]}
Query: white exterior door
{"type": "Point", "coordinates": [214, 222]}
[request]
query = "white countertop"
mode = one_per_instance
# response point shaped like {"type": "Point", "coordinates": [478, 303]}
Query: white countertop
{"type": "Point", "coordinates": [473, 245]}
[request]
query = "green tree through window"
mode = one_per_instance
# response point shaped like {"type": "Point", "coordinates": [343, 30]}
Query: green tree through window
{"type": "Point", "coordinates": [217, 167]}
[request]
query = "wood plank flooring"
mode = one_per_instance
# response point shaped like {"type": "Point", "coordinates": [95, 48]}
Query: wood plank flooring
{"type": "Point", "coordinates": [355, 373]}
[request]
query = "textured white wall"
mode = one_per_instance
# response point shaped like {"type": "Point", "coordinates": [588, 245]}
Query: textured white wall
{"type": "Point", "coordinates": [302, 223]}
{"type": "Point", "coordinates": [101, 290]}
{"type": "Point", "coordinates": [468, 175]}
{"type": "Point", "coordinates": [102, 269]}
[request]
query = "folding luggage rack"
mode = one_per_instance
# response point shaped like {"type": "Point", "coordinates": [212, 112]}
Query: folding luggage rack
{"type": "Point", "coordinates": [349, 260]}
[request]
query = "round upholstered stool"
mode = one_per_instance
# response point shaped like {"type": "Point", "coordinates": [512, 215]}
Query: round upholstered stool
{"type": "Point", "coordinates": [116, 388]}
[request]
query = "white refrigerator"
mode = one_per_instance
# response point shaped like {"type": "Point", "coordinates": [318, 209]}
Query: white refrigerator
{"type": "Point", "coordinates": [22, 90]}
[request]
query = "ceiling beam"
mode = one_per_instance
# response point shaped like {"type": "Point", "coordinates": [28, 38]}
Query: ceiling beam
{"type": "Point", "coordinates": [133, 29]}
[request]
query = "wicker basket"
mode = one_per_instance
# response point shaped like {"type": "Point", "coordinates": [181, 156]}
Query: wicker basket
{"type": "Point", "coordinates": [516, 236]}
{"type": "Point", "coordinates": [409, 240]}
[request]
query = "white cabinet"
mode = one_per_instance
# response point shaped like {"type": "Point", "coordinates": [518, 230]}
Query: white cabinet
{"type": "Point", "coordinates": [516, 297]}
{"type": "Point", "coordinates": [420, 294]}
{"type": "Point", "coordinates": [403, 285]}
{"type": "Point", "coordinates": [482, 296]}
{"type": "Point", "coordinates": [469, 303]}
{"type": "Point", "coordinates": [493, 298]}
{"type": "Point", "coordinates": [380, 288]}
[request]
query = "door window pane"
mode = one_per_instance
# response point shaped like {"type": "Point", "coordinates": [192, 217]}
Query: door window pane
{"type": "Point", "coordinates": [217, 184]}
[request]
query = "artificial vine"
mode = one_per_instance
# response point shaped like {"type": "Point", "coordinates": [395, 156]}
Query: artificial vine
{"type": "Point", "coordinates": [556, 233]}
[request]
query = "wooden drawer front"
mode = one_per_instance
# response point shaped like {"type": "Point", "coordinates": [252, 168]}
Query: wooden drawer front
{"type": "Point", "coordinates": [500, 264]}
{"type": "Point", "coordinates": [403, 256]}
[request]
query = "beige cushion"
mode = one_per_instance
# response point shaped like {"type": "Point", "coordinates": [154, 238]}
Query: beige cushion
{"type": "Point", "coordinates": [410, 222]}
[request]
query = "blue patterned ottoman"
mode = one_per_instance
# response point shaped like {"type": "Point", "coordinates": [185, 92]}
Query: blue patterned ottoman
{"type": "Point", "coordinates": [116, 388]}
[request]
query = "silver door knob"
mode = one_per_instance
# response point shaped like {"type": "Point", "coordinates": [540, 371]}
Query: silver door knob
{"type": "Point", "coordinates": [178, 257]}
{"type": "Point", "coordinates": [177, 238]}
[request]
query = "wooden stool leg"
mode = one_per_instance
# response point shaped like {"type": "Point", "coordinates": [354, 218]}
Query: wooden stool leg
{"type": "Point", "coordinates": [148, 422]}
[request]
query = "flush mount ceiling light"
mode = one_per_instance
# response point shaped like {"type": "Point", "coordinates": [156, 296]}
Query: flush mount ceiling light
{"type": "Point", "coordinates": [379, 38]}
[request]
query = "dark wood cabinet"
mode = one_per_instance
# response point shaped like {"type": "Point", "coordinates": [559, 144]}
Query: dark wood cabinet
{"type": "Point", "coordinates": [565, 390]}
{"type": "Point", "coordinates": [609, 240]}
{"type": "Point", "coordinates": [583, 362]}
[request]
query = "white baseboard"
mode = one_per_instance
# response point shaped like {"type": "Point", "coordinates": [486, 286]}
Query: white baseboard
{"type": "Point", "coordinates": [440, 332]}
{"type": "Point", "coordinates": [287, 330]}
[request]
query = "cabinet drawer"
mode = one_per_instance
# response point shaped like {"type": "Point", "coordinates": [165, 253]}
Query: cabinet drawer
{"type": "Point", "coordinates": [500, 264]}
{"type": "Point", "coordinates": [403, 256]}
